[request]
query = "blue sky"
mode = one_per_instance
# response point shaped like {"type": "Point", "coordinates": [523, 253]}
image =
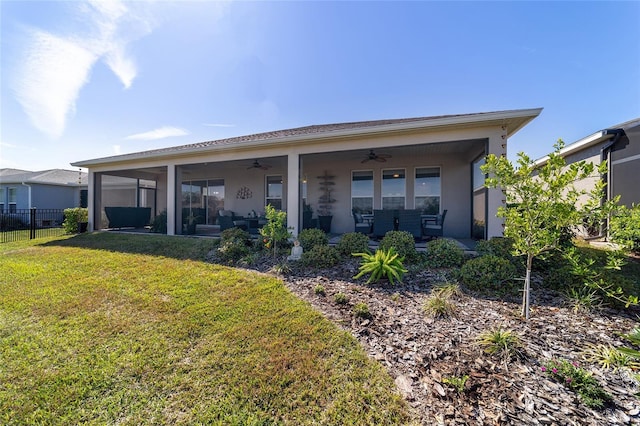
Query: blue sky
{"type": "Point", "coordinates": [83, 80]}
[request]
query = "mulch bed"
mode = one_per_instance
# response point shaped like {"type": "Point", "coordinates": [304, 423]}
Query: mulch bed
{"type": "Point", "coordinates": [419, 352]}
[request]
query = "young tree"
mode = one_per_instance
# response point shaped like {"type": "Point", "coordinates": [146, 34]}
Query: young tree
{"type": "Point", "coordinates": [275, 230]}
{"type": "Point", "coordinates": [541, 203]}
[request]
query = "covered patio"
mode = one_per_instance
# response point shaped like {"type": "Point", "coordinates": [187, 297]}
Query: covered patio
{"type": "Point", "coordinates": [324, 176]}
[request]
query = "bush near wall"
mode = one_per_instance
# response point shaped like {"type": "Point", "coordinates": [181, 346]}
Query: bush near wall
{"type": "Point", "coordinates": [624, 227]}
{"type": "Point", "coordinates": [72, 219]}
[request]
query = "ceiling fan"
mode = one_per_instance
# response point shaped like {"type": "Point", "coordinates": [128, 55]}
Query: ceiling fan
{"type": "Point", "coordinates": [372, 156]}
{"type": "Point", "coordinates": [256, 165]}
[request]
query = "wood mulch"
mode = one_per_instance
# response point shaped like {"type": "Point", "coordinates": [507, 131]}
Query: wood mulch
{"type": "Point", "coordinates": [419, 352]}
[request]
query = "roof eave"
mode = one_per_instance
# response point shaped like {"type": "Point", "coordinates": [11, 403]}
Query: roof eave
{"type": "Point", "coordinates": [519, 117]}
{"type": "Point", "coordinates": [593, 139]}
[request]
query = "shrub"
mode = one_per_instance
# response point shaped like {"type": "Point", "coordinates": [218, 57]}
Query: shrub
{"type": "Point", "coordinates": [381, 264]}
{"type": "Point", "coordinates": [341, 298]}
{"type": "Point", "coordinates": [235, 244]}
{"type": "Point", "coordinates": [320, 257]}
{"type": "Point", "coordinates": [447, 290]}
{"type": "Point", "coordinates": [607, 356]}
{"type": "Point", "coordinates": [504, 343]}
{"type": "Point", "coordinates": [235, 234]}
{"type": "Point", "coordinates": [488, 273]}
{"type": "Point", "coordinates": [361, 310]}
{"type": "Point", "coordinates": [496, 246]}
{"type": "Point", "coordinates": [443, 253]}
{"type": "Point", "coordinates": [281, 268]}
{"type": "Point", "coordinates": [402, 242]}
{"type": "Point", "coordinates": [501, 247]}
{"type": "Point", "coordinates": [438, 305]}
{"type": "Point", "coordinates": [353, 242]}
{"type": "Point", "coordinates": [309, 238]}
{"type": "Point", "coordinates": [624, 227]}
{"type": "Point", "coordinates": [319, 290]}
{"type": "Point", "coordinates": [582, 299]}
{"type": "Point", "coordinates": [578, 380]}
{"type": "Point", "coordinates": [72, 218]}
{"type": "Point", "coordinates": [159, 223]}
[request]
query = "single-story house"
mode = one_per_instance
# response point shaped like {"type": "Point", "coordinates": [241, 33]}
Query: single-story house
{"type": "Point", "coordinates": [429, 164]}
{"type": "Point", "coordinates": [619, 146]}
{"type": "Point", "coordinates": [48, 189]}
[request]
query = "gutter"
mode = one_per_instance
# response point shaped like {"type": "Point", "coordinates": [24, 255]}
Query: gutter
{"type": "Point", "coordinates": [605, 155]}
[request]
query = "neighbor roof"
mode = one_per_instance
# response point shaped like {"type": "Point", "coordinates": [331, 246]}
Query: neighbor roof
{"type": "Point", "coordinates": [516, 118]}
{"type": "Point", "coordinates": [46, 177]}
{"type": "Point", "coordinates": [595, 138]}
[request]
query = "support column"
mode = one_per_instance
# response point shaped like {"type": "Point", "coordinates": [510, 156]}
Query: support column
{"type": "Point", "coordinates": [94, 201]}
{"type": "Point", "coordinates": [293, 193]}
{"type": "Point", "coordinates": [495, 197]}
{"type": "Point", "coordinates": [171, 199]}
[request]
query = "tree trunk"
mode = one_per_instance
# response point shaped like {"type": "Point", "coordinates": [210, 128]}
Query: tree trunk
{"type": "Point", "coordinates": [527, 288]}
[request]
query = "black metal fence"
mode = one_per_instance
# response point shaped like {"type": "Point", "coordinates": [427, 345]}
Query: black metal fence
{"type": "Point", "coordinates": [29, 224]}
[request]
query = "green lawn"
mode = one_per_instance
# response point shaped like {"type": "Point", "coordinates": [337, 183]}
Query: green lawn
{"type": "Point", "coordinates": [135, 329]}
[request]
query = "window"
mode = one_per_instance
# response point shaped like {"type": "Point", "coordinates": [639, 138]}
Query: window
{"type": "Point", "coordinates": [393, 189]}
{"type": "Point", "coordinates": [215, 199]}
{"type": "Point", "coordinates": [427, 190]}
{"type": "Point", "coordinates": [13, 197]}
{"type": "Point", "coordinates": [274, 192]}
{"type": "Point", "coordinates": [362, 191]}
{"type": "Point", "coordinates": [1, 200]}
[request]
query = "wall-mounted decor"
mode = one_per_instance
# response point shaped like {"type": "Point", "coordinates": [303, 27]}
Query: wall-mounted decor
{"type": "Point", "coordinates": [244, 193]}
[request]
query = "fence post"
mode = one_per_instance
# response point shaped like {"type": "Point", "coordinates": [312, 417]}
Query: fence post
{"type": "Point", "coordinates": [32, 223]}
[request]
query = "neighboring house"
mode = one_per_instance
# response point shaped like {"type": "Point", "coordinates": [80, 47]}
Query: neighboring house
{"type": "Point", "coordinates": [619, 146]}
{"type": "Point", "coordinates": [427, 163]}
{"type": "Point", "coordinates": [48, 189]}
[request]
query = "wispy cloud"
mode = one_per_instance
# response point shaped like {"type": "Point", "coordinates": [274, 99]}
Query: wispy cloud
{"type": "Point", "coordinates": [218, 125]}
{"type": "Point", "coordinates": [160, 133]}
{"type": "Point", "coordinates": [7, 145]}
{"type": "Point", "coordinates": [55, 67]}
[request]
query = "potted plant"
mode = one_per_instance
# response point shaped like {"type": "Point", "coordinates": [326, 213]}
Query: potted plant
{"type": "Point", "coordinates": [307, 215]}
{"type": "Point", "coordinates": [325, 201]}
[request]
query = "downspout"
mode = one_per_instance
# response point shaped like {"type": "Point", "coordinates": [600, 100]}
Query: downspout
{"type": "Point", "coordinates": [605, 155]}
{"type": "Point", "coordinates": [28, 186]}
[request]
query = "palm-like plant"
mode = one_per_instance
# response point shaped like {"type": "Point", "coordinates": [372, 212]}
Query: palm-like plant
{"type": "Point", "coordinates": [381, 264]}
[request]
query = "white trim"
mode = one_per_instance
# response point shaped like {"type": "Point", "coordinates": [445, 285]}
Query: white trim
{"type": "Point", "coordinates": [581, 144]}
{"type": "Point", "coordinates": [626, 160]}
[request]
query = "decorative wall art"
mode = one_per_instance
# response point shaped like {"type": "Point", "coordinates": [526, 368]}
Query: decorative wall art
{"type": "Point", "coordinates": [244, 193]}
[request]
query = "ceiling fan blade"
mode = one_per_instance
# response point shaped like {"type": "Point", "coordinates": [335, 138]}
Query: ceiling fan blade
{"type": "Point", "coordinates": [380, 159]}
{"type": "Point", "coordinates": [365, 160]}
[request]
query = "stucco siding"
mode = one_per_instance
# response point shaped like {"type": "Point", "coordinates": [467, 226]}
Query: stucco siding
{"type": "Point", "coordinates": [54, 197]}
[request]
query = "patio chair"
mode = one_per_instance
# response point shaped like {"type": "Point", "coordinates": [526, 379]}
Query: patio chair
{"type": "Point", "coordinates": [410, 221]}
{"type": "Point", "coordinates": [360, 224]}
{"type": "Point", "coordinates": [435, 228]}
{"type": "Point", "coordinates": [383, 222]}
